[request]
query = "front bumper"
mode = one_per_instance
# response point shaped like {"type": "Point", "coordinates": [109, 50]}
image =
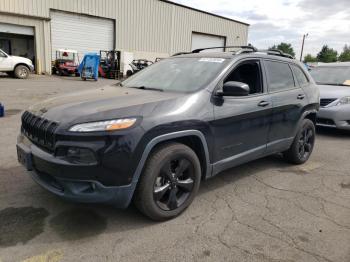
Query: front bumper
{"type": "Point", "coordinates": [69, 71]}
{"type": "Point", "coordinates": [335, 117]}
{"type": "Point", "coordinates": [31, 68]}
{"type": "Point", "coordinates": [45, 170]}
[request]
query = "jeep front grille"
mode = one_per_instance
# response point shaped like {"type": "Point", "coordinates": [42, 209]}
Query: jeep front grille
{"type": "Point", "coordinates": [39, 130]}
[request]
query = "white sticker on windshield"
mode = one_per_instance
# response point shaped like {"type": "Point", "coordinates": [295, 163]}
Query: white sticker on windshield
{"type": "Point", "coordinates": [212, 60]}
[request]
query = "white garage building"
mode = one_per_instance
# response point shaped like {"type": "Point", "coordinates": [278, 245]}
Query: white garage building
{"type": "Point", "coordinates": [146, 28]}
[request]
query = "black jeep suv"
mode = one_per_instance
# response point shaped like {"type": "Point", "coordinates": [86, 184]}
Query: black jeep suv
{"type": "Point", "coordinates": [155, 136]}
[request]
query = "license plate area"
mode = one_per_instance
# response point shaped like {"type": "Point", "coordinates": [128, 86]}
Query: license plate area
{"type": "Point", "coordinates": [24, 156]}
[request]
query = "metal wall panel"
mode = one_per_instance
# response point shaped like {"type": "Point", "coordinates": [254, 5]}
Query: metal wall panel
{"type": "Point", "coordinates": [142, 26]}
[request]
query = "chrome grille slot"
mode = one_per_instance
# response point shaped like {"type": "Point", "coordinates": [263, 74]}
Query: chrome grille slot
{"type": "Point", "coordinates": [39, 130]}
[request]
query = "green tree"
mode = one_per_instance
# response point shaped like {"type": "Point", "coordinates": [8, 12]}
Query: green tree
{"type": "Point", "coordinates": [345, 55]}
{"type": "Point", "coordinates": [285, 48]}
{"type": "Point", "coordinates": [327, 55]}
{"type": "Point", "coordinates": [310, 59]}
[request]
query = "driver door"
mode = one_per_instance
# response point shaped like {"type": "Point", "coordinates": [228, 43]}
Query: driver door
{"type": "Point", "coordinates": [241, 124]}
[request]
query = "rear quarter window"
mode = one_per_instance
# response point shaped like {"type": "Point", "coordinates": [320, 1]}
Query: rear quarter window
{"type": "Point", "coordinates": [300, 75]}
{"type": "Point", "coordinates": [279, 76]}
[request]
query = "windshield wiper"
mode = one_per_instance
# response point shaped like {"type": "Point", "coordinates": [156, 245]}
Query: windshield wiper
{"type": "Point", "coordinates": [149, 88]}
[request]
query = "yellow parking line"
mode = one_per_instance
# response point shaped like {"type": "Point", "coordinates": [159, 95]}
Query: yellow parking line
{"type": "Point", "coordinates": [50, 256]}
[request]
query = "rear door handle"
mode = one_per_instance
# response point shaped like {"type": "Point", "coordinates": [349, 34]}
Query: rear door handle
{"type": "Point", "coordinates": [263, 103]}
{"type": "Point", "coordinates": [301, 96]}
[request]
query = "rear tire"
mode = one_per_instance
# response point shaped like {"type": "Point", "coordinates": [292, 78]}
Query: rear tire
{"type": "Point", "coordinates": [21, 72]}
{"type": "Point", "coordinates": [169, 182]}
{"type": "Point", "coordinates": [303, 144]}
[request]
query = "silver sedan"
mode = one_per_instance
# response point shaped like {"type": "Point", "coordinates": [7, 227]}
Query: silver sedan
{"type": "Point", "coordinates": [333, 80]}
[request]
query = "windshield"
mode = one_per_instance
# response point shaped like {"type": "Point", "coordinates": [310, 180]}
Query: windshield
{"type": "Point", "coordinates": [177, 74]}
{"type": "Point", "coordinates": [2, 53]}
{"type": "Point", "coordinates": [338, 75]}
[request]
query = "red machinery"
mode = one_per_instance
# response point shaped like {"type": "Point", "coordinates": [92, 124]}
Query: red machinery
{"type": "Point", "coordinates": [66, 63]}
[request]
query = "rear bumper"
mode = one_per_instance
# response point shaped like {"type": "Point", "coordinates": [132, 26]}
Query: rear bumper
{"type": "Point", "coordinates": [335, 117]}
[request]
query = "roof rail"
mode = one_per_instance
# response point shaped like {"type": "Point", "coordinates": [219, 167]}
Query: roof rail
{"type": "Point", "coordinates": [181, 53]}
{"type": "Point", "coordinates": [277, 52]}
{"type": "Point", "coordinates": [242, 50]}
{"type": "Point", "coordinates": [252, 48]}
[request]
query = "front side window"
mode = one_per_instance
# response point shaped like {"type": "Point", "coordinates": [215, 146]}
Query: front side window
{"type": "Point", "coordinates": [300, 76]}
{"type": "Point", "coordinates": [280, 76]}
{"type": "Point", "coordinates": [248, 72]}
{"type": "Point", "coordinates": [180, 74]}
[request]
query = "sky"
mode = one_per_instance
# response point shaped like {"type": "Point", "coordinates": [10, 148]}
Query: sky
{"type": "Point", "coordinates": [275, 21]}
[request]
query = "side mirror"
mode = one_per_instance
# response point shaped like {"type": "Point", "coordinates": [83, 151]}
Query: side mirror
{"type": "Point", "coordinates": [233, 88]}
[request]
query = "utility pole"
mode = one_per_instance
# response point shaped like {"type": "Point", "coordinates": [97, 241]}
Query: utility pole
{"type": "Point", "coordinates": [302, 47]}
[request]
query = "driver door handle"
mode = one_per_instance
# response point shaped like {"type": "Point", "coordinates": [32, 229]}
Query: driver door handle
{"type": "Point", "coordinates": [263, 104]}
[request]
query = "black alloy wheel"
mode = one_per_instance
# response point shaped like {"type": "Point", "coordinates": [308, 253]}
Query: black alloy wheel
{"type": "Point", "coordinates": [169, 181]}
{"type": "Point", "coordinates": [174, 183]}
{"type": "Point", "coordinates": [303, 144]}
{"type": "Point", "coordinates": [306, 142]}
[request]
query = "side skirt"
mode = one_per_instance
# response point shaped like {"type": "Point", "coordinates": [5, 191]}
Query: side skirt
{"type": "Point", "coordinates": [253, 154]}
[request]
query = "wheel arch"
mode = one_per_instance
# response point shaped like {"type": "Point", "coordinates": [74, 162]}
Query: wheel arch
{"type": "Point", "coordinates": [21, 64]}
{"type": "Point", "coordinates": [310, 114]}
{"type": "Point", "coordinates": [191, 138]}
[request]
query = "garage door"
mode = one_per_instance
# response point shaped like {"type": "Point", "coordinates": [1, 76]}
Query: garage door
{"type": "Point", "coordinates": [81, 33]}
{"type": "Point", "coordinates": [16, 29]}
{"type": "Point", "coordinates": [203, 41]}
{"type": "Point", "coordinates": [17, 40]}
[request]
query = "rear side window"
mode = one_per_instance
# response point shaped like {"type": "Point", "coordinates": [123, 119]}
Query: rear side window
{"type": "Point", "coordinates": [280, 76]}
{"type": "Point", "coordinates": [300, 76]}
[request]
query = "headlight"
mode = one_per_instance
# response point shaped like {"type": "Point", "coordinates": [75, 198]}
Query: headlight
{"type": "Point", "coordinates": [109, 125]}
{"type": "Point", "coordinates": [344, 101]}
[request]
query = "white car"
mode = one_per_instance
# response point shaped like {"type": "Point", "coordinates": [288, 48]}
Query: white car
{"type": "Point", "coordinates": [16, 66]}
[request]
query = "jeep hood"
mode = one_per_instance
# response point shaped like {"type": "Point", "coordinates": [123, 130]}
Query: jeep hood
{"type": "Point", "coordinates": [100, 104]}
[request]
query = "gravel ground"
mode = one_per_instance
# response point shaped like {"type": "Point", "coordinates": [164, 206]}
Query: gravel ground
{"type": "Point", "coordinates": [266, 210]}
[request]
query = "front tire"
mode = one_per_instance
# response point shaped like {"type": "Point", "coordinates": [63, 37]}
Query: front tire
{"type": "Point", "coordinates": [21, 72]}
{"type": "Point", "coordinates": [169, 182]}
{"type": "Point", "coordinates": [303, 144]}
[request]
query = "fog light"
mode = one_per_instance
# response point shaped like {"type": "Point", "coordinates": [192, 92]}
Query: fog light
{"type": "Point", "coordinates": [78, 155]}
